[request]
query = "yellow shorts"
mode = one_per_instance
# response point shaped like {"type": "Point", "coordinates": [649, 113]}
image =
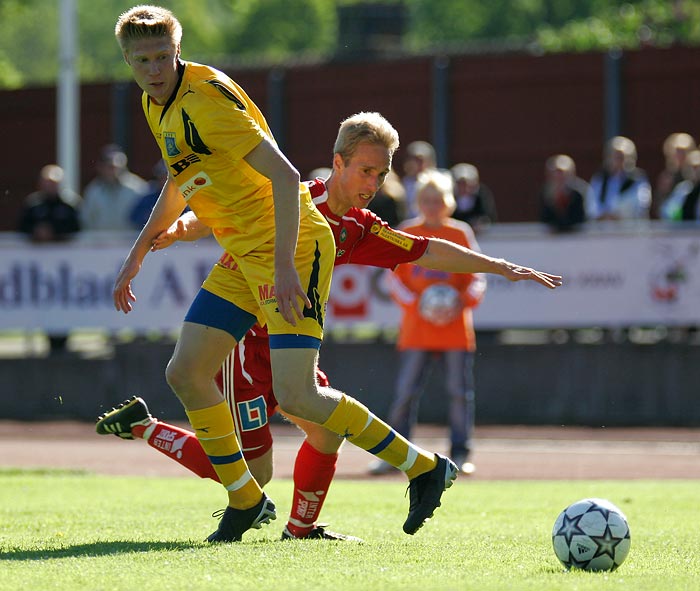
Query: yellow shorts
{"type": "Point", "coordinates": [250, 284]}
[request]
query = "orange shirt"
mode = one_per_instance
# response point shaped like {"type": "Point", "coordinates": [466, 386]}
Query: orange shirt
{"type": "Point", "coordinates": [409, 281]}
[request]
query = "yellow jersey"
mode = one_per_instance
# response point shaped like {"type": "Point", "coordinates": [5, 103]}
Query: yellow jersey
{"type": "Point", "coordinates": [204, 131]}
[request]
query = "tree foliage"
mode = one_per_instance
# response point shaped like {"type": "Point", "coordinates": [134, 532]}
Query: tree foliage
{"type": "Point", "coordinates": [235, 31]}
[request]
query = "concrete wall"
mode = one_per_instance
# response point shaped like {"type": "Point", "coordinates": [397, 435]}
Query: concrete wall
{"type": "Point", "coordinates": [600, 385]}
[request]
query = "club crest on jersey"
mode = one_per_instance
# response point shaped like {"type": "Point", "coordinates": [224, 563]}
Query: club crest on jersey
{"type": "Point", "coordinates": [343, 235]}
{"type": "Point", "coordinates": [170, 145]}
{"type": "Point", "coordinates": [386, 233]}
{"type": "Point", "coordinates": [197, 182]}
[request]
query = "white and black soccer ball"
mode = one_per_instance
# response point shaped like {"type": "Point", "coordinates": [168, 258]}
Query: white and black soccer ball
{"type": "Point", "coordinates": [592, 535]}
{"type": "Point", "coordinates": [440, 304]}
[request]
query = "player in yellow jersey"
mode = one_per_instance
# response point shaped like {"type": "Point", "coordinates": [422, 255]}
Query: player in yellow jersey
{"type": "Point", "coordinates": [223, 162]}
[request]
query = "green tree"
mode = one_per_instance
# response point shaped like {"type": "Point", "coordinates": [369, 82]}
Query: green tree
{"type": "Point", "coordinates": [627, 26]}
{"type": "Point", "coordinates": [228, 32]}
{"type": "Point", "coordinates": [28, 36]}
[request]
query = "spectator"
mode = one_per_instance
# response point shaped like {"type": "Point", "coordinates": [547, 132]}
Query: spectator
{"type": "Point", "coordinates": [562, 198]}
{"type": "Point", "coordinates": [389, 201]}
{"type": "Point", "coordinates": [49, 215]}
{"type": "Point", "coordinates": [442, 329]}
{"type": "Point", "coordinates": [676, 148]}
{"type": "Point", "coordinates": [142, 209]}
{"type": "Point", "coordinates": [475, 202]}
{"type": "Point", "coordinates": [109, 198]}
{"type": "Point", "coordinates": [620, 190]}
{"type": "Point", "coordinates": [683, 203]}
{"type": "Point", "coordinates": [420, 156]}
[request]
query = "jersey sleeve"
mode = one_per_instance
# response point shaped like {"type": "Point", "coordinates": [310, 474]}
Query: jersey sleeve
{"type": "Point", "coordinates": [229, 120]}
{"type": "Point", "coordinates": [384, 246]}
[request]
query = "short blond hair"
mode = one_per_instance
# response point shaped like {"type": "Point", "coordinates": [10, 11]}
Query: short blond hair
{"type": "Point", "coordinates": [146, 21]}
{"type": "Point", "coordinates": [562, 162]}
{"type": "Point", "coordinates": [364, 127]}
{"type": "Point", "coordinates": [442, 183]}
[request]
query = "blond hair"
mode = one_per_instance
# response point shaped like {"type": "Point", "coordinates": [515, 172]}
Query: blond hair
{"type": "Point", "coordinates": [561, 162]}
{"type": "Point", "coordinates": [442, 183]}
{"type": "Point", "coordinates": [625, 146]}
{"type": "Point", "coordinates": [144, 22]}
{"type": "Point", "coordinates": [371, 128]}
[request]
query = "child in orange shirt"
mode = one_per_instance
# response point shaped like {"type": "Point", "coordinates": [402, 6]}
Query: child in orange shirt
{"type": "Point", "coordinates": [437, 322]}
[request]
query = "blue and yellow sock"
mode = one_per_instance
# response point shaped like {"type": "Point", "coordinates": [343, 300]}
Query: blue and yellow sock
{"type": "Point", "coordinates": [354, 421]}
{"type": "Point", "coordinates": [217, 435]}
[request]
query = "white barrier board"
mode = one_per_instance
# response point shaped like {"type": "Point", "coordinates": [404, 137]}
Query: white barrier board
{"type": "Point", "coordinates": [643, 278]}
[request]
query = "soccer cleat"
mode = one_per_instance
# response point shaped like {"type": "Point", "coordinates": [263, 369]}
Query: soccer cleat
{"type": "Point", "coordinates": [121, 419]}
{"type": "Point", "coordinates": [235, 522]}
{"type": "Point", "coordinates": [425, 492]}
{"type": "Point", "coordinates": [319, 532]}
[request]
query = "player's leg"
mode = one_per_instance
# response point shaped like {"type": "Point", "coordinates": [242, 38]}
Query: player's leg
{"type": "Point", "coordinates": [314, 469]}
{"type": "Point", "coordinates": [459, 380]}
{"type": "Point", "coordinates": [132, 420]}
{"type": "Point", "coordinates": [293, 355]}
{"type": "Point", "coordinates": [209, 333]}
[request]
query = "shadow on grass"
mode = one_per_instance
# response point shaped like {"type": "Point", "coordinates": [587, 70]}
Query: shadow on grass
{"type": "Point", "coordinates": [95, 549]}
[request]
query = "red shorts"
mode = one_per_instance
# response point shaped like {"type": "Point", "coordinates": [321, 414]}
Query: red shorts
{"type": "Point", "coordinates": [245, 379]}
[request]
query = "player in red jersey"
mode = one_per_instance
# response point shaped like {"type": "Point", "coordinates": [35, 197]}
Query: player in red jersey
{"type": "Point", "coordinates": [361, 237]}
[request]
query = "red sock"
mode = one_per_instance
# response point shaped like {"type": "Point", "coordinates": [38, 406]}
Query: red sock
{"type": "Point", "coordinates": [179, 445]}
{"type": "Point", "coordinates": [313, 473]}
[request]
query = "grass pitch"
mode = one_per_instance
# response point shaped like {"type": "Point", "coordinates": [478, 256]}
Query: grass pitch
{"type": "Point", "coordinates": [72, 532]}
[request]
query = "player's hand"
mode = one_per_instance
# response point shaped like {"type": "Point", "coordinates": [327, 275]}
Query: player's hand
{"type": "Point", "coordinates": [122, 294]}
{"type": "Point", "coordinates": [168, 237]}
{"type": "Point", "coordinates": [518, 273]}
{"type": "Point", "coordinates": [291, 298]}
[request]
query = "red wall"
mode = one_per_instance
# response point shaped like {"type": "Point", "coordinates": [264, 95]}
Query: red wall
{"type": "Point", "coordinates": [507, 114]}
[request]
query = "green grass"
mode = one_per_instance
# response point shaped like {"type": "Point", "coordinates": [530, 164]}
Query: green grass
{"type": "Point", "coordinates": [68, 531]}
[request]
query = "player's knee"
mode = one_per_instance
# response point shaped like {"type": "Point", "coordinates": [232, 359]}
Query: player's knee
{"type": "Point", "coordinates": [322, 439]}
{"type": "Point", "coordinates": [261, 468]}
{"type": "Point", "coordinates": [181, 378]}
{"type": "Point", "coordinates": [295, 398]}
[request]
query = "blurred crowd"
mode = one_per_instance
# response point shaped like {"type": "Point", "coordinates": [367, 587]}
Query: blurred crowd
{"type": "Point", "coordinates": [618, 190]}
{"type": "Point", "coordinates": [116, 199]}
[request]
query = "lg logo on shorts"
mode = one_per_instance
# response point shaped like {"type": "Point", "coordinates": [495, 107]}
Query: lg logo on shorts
{"type": "Point", "coordinates": [253, 413]}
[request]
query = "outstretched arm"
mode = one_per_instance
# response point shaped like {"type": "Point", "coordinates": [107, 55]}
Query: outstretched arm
{"type": "Point", "coordinates": [444, 255]}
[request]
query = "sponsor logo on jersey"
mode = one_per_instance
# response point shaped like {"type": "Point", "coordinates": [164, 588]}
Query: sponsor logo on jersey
{"type": "Point", "coordinates": [170, 145]}
{"type": "Point", "coordinates": [227, 262]}
{"type": "Point", "coordinates": [392, 236]}
{"type": "Point", "coordinates": [183, 164]}
{"type": "Point", "coordinates": [197, 182]}
{"type": "Point", "coordinates": [266, 294]}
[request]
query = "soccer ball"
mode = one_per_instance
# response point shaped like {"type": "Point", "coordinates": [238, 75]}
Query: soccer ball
{"type": "Point", "coordinates": [592, 535]}
{"type": "Point", "coordinates": [440, 304]}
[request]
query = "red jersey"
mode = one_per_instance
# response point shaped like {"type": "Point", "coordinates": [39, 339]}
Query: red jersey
{"type": "Point", "coordinates": [363, 238]}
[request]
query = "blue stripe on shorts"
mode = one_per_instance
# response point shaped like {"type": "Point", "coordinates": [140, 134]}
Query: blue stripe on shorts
{"type": "Point", "coordinates": [211, 310]}
{"type": "Point", "coordinates": [294, 341]}
{"type": "Point", "coordinates": [383, 443]}
{"type": "Point", "coordinates": [218, 460]}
